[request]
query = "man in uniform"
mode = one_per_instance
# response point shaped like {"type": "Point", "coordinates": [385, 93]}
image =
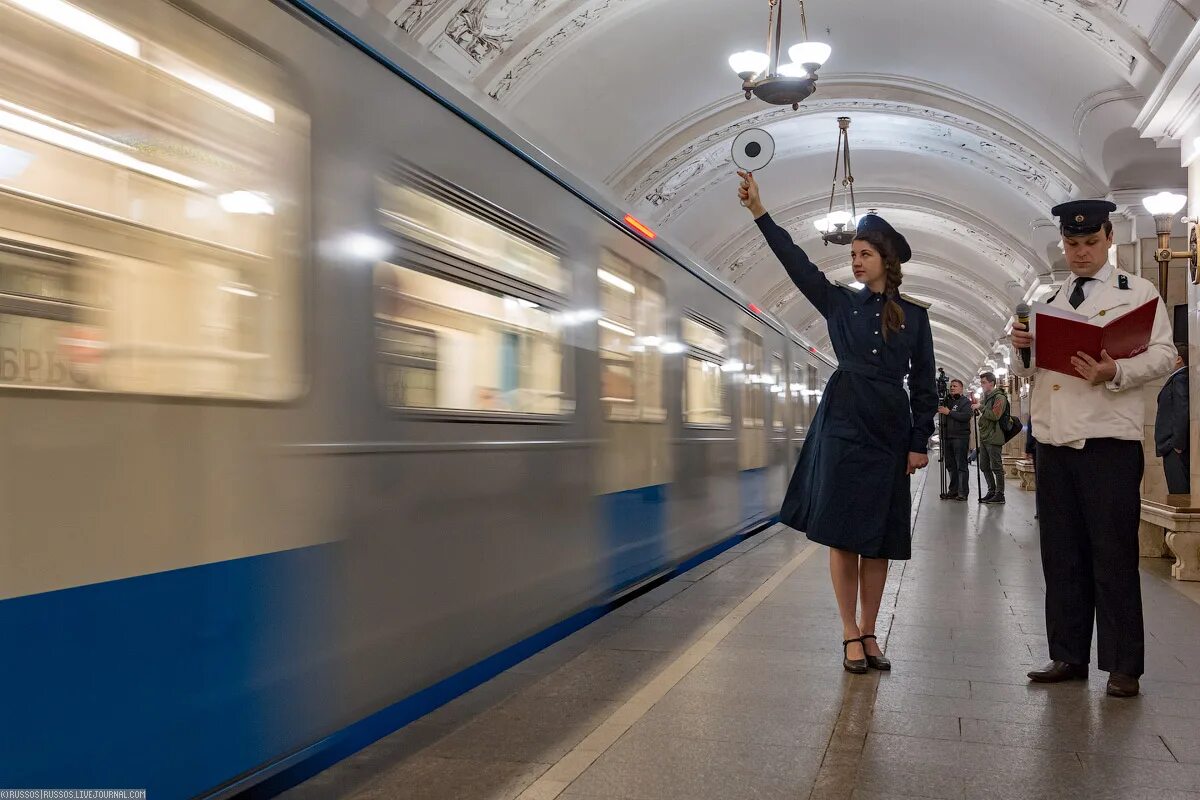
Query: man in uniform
{"type": "Point", "coordinates": [1089, 429]}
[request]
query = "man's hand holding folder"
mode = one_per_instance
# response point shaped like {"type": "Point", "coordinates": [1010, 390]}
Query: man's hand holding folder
{"type": "Point", "coordinates": [1070, 344]}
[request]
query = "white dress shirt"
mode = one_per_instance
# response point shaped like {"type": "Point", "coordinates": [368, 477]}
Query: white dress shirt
{"type": "Point", "coordinates": [1067, 410]}
{"type": "Point", "coordinates": [1103, 276]}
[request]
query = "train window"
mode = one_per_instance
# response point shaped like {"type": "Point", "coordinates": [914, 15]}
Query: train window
{"type": "Point", "coordinates": [468, 318]}
{"type": "Point", "coordinates": [631, 330]}
{"type": "Point", "coordinates": [151, 204]}
{"type": "Point", "coordinates": [753, 390]}
{"type": "Point", "coordinates": [452, 347]}
{"type": "Point", "coordinates": [705, 401]}
{"type": "Point", "coordinates": [779, 392]}
{"type": "Point", "coordinates": [450, 229]}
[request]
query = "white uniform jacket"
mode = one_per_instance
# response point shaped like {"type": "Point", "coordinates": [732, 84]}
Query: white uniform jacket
{"type": "Point", "coordinates": [1067, 410]}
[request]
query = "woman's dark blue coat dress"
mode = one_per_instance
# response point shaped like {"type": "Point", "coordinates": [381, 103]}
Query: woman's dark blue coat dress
{"type": "Point", "coordinates": [850, 489]}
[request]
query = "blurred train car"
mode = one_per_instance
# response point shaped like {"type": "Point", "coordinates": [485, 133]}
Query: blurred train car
{"type": "Point", "coordinates": [321, 399]}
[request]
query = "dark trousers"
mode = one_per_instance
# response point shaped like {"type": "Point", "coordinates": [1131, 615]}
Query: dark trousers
{"type": "Point", "coordinates": [1089, 505]}
{"type": "Point", "coordinates": [991, 462]}
{"type": "Point", "coordinates": [1178, 469]}
{"type": "Point", "coordinates": [956, 466]}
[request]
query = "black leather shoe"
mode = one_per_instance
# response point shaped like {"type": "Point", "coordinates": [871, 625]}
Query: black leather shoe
{"type": "Point", "coordinates": [961, 497]}
{"type": "Point", "coordinates": [987, 497]}
{"type": "Point", "coordinates": [880, 662]}
{"type": "Point", "coordinates": [1059, 671]}
{"type": "Point", "coordinates": [856, 665]}
{"type": "Point", "coordinates": [995, 500]}
{"type": "Point", "coordinates": [1120, 685]}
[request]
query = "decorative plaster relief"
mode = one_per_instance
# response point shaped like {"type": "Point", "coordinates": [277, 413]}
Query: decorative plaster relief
{"type": "Point", "coordinates": [978, 145]}
{"type": "Point", "coordinates": [483, 29]}
{"type": "Point", "coordinates": [407, 15]}
{"type": "Point", "coordinates": [572, 26]}
{"type": "Point", "coordinates": [563, 33]}
{"type": "Point", "coordinates": [1090, 28]}
{"type": "Point", "coordinates": [751, 253]}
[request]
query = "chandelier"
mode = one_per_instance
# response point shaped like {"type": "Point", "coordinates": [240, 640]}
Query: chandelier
{"type": "Point", "coordinates": [839, 226]}
{"type": "Point", "coordinates": [787, 84]}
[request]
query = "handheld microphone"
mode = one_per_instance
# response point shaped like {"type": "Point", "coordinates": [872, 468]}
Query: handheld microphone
{"type": "Point", "coordinates": [1023, 319]}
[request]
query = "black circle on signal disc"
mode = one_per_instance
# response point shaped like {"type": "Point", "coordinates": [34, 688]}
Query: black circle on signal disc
{"type": "Point", "coordinates": [753, 149]}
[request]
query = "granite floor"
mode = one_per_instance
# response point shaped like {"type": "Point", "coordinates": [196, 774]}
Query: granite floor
{"type": "Point", "coordinates": [726, 683]}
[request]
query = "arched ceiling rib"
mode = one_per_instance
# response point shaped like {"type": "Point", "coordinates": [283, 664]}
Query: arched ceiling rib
{"type": "Point", "coordinates": [990, 134]}
{"type": "Point", "coordinates": [971, 119]}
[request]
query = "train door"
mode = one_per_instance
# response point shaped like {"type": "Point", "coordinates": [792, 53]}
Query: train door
{"type": "Point", "coordinates": [635, 461]}
{"type": "Point", "coordinates": [779, 452]}
{"type": "Point", "coordinates": [752, 434]}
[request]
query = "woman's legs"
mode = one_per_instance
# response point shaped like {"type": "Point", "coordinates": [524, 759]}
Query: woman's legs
{"type": "Point", "coordinates": [872, 576]}
{"type": "Point", "coordinates": [843, 568]}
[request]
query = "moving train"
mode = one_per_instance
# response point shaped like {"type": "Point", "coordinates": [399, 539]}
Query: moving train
{"type": "Point", "coordinates": [322, 395]}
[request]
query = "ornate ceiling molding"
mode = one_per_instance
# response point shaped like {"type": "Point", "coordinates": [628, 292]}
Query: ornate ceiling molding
{"type": "Point", "coordinates": [953, 349]}
{"type": "Point", "coordinates": [1173, 108]}
{"type": "Point", "coordinates": [1016, 261]}
{"type": "Point", "coordinates": [686, 139]}
{"type": "Point", "coordinates": [1098, 21]}
{"type": "Point", "coordinates": [666, 201]}
{"type": "Point", "coordinates": [923, 280]}
{"type": "Point", "coordinates": [516, 74]}
{"type": "Point", "coordinates": [948, 299]}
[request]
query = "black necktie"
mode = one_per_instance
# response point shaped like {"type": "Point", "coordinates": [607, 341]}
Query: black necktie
{"type": "Point", "coordinates": [1077, 293]}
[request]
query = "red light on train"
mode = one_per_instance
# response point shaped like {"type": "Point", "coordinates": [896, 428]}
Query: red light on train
{"type": "Point", "coordinates": [755, 309]}
{"type": "Point", "coordinates": [638, 226]}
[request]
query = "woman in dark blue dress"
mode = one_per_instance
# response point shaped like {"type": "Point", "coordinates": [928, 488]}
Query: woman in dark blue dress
{"type": "Point", "coordinates": [850, 490]}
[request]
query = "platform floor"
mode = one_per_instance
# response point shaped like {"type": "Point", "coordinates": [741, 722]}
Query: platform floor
{"type": "Point", "coordinates": [727, 683]}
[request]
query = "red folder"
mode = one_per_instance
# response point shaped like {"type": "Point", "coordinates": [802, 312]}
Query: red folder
{"type": "Point", "coordinates": [1059, 336]}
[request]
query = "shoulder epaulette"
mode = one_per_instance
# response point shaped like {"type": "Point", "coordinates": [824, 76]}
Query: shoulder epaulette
{"type": "Point", "coordinates": [914, 302]}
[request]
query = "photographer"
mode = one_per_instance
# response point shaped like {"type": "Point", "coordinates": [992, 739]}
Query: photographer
{"type": "Point", "coordinates": [956, 411]}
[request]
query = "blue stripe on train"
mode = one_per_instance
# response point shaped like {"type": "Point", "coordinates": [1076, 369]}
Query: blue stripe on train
{"type": "Point", "coordinates": [173, 682]}
{"type": "Point", "coordinates": [178, 682]}
{"type": "Point", "coordinates": [635, 524]}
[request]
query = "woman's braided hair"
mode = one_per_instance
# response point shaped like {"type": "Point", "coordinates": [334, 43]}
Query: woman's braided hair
{"type": "Point", "coordinates": [893, 314]}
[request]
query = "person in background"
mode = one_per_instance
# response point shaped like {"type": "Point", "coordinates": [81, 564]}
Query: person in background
{"type": "Point", "coordinates": [958, 436]}
{"type": "Point", "coordinates": [1171, 436]}
{"type": "Point", "coordinates": [991, 438]}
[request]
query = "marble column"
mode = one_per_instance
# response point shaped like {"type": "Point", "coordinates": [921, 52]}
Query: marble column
{"type": "Point", "coordinates": [1154, 482]}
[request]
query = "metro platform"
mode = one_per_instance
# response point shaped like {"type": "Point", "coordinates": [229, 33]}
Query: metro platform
{"type": "Point", "coordinates": [727, 683]}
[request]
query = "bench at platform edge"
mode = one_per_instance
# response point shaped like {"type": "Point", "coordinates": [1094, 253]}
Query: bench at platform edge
{"type": "Point", "coordinates": [1171, 526]}
{"type": "Point", "coordinates": [1027, 474]}
{"type": "Point", "coordinates": [1010, 466]}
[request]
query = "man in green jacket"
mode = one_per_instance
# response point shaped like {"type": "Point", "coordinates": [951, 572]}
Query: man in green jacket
{"type": "Point", "coordinates": [991, 438]}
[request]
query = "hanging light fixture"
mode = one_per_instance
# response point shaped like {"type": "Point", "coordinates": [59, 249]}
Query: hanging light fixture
{"type": "Point", "coordinates": [781, 84]}
{"type": "Point", "coordinates": [839, 226]}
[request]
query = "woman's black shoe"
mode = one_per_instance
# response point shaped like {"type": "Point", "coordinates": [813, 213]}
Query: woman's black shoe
{"type": "Point", "coordinates": [880, 663]}
{"type": "Point", "coordinates": [856, 665]}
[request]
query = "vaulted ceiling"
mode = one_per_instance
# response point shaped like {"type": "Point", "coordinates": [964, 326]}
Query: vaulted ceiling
{"type": "Point", "coordinates": [970, 120]}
